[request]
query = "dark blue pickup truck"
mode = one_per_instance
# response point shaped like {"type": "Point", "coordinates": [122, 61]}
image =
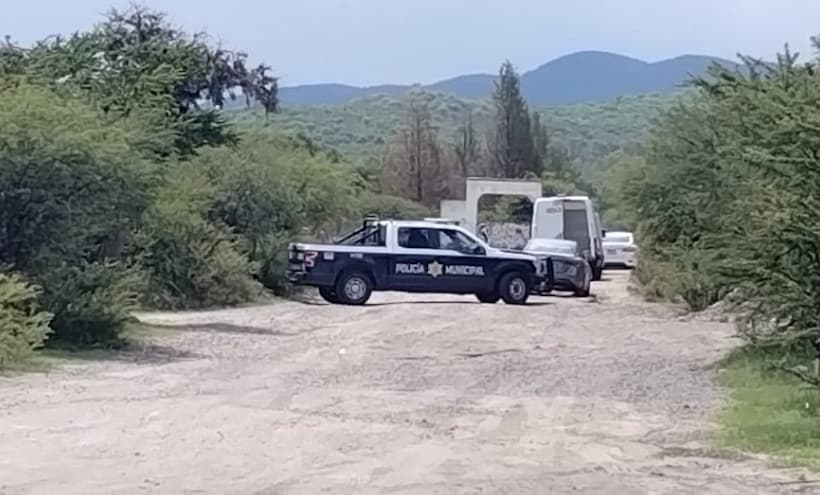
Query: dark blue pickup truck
{"type": "Point", "coordinates": [416, 257]}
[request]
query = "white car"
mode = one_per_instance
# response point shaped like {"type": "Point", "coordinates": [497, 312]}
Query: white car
{"type": "Point", "coordinates": [620, 249]}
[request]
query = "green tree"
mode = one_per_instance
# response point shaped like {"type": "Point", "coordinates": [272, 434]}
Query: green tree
{"type": "Point", "coordinates": [511, 146]}
{"type": "Point", "coordinates": [135, 63]}
{"type": "Point", "coordinates": [467, 146]}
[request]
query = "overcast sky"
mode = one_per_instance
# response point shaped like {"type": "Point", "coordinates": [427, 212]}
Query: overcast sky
{"type": "Point", "coordinates": [392, 41]}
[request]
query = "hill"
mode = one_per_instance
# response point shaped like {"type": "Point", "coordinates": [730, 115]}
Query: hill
{"type": "Point", "coordinates": [575, 78]}
{"type": "Point", "coordinates": [363, 127]}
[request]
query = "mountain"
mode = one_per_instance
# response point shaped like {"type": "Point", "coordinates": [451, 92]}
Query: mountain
{"type": "Point", "coordinates": [579, 77]}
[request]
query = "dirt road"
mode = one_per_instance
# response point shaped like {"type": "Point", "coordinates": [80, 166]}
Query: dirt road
{"type": "Point", "coordinates": [411, 394]}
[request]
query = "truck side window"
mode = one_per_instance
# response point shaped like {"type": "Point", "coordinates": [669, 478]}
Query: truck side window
{"type": "Point", "coordinates": [413, 238]}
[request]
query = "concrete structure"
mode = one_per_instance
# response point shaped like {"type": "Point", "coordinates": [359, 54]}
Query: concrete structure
{"type": "Point", "coordinates": [466, 211]}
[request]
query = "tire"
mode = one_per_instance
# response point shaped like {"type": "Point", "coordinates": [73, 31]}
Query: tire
{"type": "Point", "coordinates": [354, 288]}
{"type": "Point", "coordinates": [584, 291]}
{"type": "Point", "coordinates": [597, 273]}
{"type": "Point", "coordinates": [488, 298]}
{"type": "Point", "coordinates": [329, 295]}
{"type": "Point", "coordinates": [514, 288]}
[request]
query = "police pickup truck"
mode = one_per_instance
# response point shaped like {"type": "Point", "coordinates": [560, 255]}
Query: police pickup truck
{"type": "Point", "coordinates": [416, 257]}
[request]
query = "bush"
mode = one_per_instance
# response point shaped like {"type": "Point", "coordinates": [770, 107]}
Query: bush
{"type": "Point", "coordinates": [189, 261]}
{"type": "Point", "coordinates": [389, 207]}
{"type": "Point", "coordinates": [23, 326]}
{"type": "Point", "coordinates": [91, 302]}
{"type": "Point", "coordinates": [681, 276]}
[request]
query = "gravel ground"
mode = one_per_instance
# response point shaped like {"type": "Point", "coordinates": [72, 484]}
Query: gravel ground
{"type": "Point", "coordinates": [410, 394]}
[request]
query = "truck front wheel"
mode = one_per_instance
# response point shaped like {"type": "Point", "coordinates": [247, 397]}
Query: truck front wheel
{"type": "Point", "coordinates": [354, 288]}
{"type": "Point", "coordinates": [514, 288]}
{"type": "Point", "coordinates": [329, 295]}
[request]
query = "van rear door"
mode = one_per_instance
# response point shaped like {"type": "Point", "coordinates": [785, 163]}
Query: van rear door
{"type": "Point", "coordinates": [576, 223]}
{"type": "Point", "coordinates": [548, 220]}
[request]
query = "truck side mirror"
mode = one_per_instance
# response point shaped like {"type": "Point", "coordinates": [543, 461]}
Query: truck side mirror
{"type": "Point", "coordinates": [479, 251]}
{"type": "Point", "coordinates": [603, 232]}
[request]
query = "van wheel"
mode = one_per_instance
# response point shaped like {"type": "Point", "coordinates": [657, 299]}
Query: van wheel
{"type": "Point", "coordinates": [597, 273]}
{"type": "Point", "coordinates": [583, 291]}
{"type": "Point", "coordinates": [354, 288]}
{"type": "Point", "coordinates": [514, 288]}
{"type": "Point", "coordinates": [329, 295]}
{"type": "Point", "coordinates": [488, 298]}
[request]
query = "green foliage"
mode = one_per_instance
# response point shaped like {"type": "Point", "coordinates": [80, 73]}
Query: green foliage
{"type": "Point", "coordinates": [73, 190]}
{"type": "Point", "coordinates": [23, 326]}
{"type": "Point", "coordinates": [91, 302]}
{"type": "Point", "coordinates": [511, 145]}
{"type": "Point", "coordinates": [72, 187]}
{"type": "Point", "coordinates": [191, 262]}
{"type": "Point", "coordinates": [135, 64]}
{"type": "Point", "coordinates": [728, 201]}
{"type": "Point", "coordinates": [590, 131]}
{"type": "Point", "coordinates": [769, 411]}
{"type": "Point", "coordinates": [390, 207]}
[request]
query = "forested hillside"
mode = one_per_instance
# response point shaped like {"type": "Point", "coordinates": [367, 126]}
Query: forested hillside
{"type": "Point", "coordinates": [590, 131]}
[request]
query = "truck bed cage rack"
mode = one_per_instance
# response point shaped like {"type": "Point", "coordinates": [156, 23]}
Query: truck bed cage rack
{"type": "Point", "coordinates": [370, 229]}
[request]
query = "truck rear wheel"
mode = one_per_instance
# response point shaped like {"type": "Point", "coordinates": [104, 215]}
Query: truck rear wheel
{"type": "Point", "coordinates": [514, 288]}
{"type": "Point", "coordinates": [329, 295]}
{"type": "Point", "coordinates": [354, 288]}
{"type": "Point", "coordinates": [488, 298]}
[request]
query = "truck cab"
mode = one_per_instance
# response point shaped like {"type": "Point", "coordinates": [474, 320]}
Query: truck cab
{"type": "Point", "coordinates": [416, 257]}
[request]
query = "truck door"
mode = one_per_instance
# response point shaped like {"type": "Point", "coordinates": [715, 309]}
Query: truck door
{"type": "Point", "coordinates": [465, 266]}
{"type": "Point", "coordinates": [411, 264]}
{"type": "Point", "coordinates": [437, 260]}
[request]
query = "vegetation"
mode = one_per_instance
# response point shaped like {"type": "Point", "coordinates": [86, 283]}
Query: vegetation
{"type": "Point", "coordinates": [123, 185]}
{"type": "Point", "coordinates": [23, 326]}
{"type": "Point", "coordinates": [588, 132]}
{"type": "Point", "coordinates": [725, 202]}
{"type": "Point", "coordinates": [770, 411]}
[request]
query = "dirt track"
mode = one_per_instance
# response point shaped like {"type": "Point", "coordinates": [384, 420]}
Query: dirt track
{"type": "Point", "coordinates": [411, 394]}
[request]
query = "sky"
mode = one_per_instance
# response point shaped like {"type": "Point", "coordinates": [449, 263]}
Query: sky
{"type": "Point", "coordinates": [366, 42]}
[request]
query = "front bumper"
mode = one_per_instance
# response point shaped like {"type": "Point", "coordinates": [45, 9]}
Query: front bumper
{"type": "Point", "coordinates": [544, 282]}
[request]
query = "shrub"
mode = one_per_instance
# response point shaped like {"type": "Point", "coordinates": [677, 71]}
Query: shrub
{"type": "Point", "coordinates": [23, 326]}
{"type": "Point", "coordinates": [189, 261]}
{"type": "Point", "coordinates": [91, 302]}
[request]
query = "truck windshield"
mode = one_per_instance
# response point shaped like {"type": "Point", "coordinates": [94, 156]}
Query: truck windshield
{"type": "Point", "coordinates": [457, 241]}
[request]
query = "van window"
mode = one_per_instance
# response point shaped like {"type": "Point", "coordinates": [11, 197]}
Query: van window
{"type": "Point", "coordinates": [576, 224]}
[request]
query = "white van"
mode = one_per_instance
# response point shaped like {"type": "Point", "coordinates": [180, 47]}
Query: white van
{"type": "Point", "coordinates": [573, 218]}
